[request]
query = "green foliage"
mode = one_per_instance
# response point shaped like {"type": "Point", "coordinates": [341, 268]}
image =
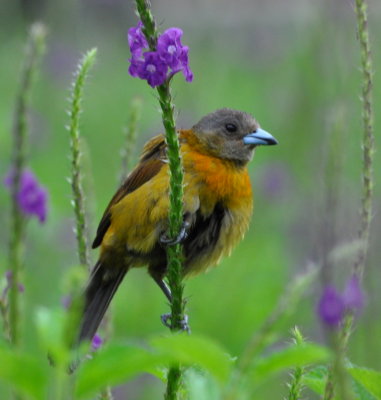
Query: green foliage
{"type": "Point", "coordinates": [96, 373]}
{"type": "Point", "coordinates": [368, 378]}
{"type": "Point", "coordinates": [289, 357]}
{"type": "Point", "coordinates": [366, 383]}
{"type": "Point", "coordinates": [201, 351]}
{"type": "Point", "coordinates": [23, 372]}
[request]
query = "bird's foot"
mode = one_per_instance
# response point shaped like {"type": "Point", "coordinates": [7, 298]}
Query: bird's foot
{"type": "Point", "coordinates": [165, 240]}
{"type": "Point", "coordinates": [166, 320]}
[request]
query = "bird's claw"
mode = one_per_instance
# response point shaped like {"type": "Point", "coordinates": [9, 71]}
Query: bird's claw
{"type": "Point", "coordinates": [166, 320]}
{"type": "Point", "coordinates": [164, 239]}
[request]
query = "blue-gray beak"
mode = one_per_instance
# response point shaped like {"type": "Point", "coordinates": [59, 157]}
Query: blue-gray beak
{"type": "Point", "coordinates": [259, 137]}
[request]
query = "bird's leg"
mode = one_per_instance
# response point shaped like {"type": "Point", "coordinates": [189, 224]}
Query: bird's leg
{"type": "Point", "coordinates": [157, 275]}
{"type": "Point", "coordinates": [183, 234]}
{"type": "Point", "coordinates": [163, 286]}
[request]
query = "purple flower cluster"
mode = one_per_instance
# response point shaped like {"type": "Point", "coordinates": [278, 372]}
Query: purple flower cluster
{"type": "Point", "coordinates": [333, 305]}
{"type": "Point", "coordinates": [157, 66]}
{"type": "Point", "coordinates": [32, 197]}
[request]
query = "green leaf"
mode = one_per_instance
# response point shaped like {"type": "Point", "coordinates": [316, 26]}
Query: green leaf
{"type": "Point", "coordinates": [196, 350]}
{"type": "Point", "coordinates": [315, 379]}
{"type": "Point", "coordinates": [360, 392]}
{"type": "Point", "coordinates": [114, 365]}
{"type": "Point", "coordinates": [23, 372]}
{"type": "Point", "coordinates": [289, 357]}
{"type": "Point", "coordinates": [201, 385]}
{"type": "Point", "coordinates": [368, 378]}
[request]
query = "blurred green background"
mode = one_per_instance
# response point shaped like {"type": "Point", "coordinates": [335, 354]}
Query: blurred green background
{"type": "Point", "coordinates": [295, 66]}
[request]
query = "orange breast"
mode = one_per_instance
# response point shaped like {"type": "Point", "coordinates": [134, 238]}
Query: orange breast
{"type": "Point", "coordinates": [219, 181]}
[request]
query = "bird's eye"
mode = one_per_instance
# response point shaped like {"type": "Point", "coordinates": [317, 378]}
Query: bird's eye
{"type": "Point", "coordinates": [231, 127]}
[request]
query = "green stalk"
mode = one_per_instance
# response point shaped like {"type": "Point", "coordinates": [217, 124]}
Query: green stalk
{"type": "Point", "coordinates": [76, 182]}
{"type": "Point", "coordinates": [174, 253]}
{"type": "Point", "coordinates": [296, 385]}
{"type": "Point", "coordinates": [76, 185]}
{"type": "Point", "coordinates": [338, 374]}
{"type": "Point", "coordinates": [33, 52]}
{"type": "Point", "coordinates": [368, 136]}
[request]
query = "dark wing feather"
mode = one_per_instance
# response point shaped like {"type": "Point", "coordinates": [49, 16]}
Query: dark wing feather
{"type": "Point", "coordinates": [103, 283]}
{"type": "Point", "coordinates": [150, 164]}
{"type": "Point", "coordinates": [204, 233]}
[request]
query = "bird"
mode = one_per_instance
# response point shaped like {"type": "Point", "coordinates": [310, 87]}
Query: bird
{"type": "Point", "coordinates": [217, 208]}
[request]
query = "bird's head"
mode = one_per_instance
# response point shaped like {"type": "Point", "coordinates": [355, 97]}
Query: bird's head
{"type": "Point", "coordinates": [231, 135]}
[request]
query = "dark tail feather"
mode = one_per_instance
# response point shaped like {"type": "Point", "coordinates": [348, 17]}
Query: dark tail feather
{"type": "Point", "coordinates": [98, 295]}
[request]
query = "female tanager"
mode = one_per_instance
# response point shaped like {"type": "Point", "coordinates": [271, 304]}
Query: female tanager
{"type": "Point", "coordinates": [217, 207]}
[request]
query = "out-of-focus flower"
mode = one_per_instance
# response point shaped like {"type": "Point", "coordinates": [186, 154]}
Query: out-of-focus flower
{"type": "Point", "coordinates": [8, 279]}
{"type": "Point", "coordinates": [32, 197]}
{"type": "Point", "coordinates": [331, 307]}
{"type": "Point", "coordinates": [157, 66]}
{"type": "Point", "coordinates": [353, 296]}
{"type": "Point", "coordinates": [276, 180]}
{"type": "Point", "coordinates": [97, 342]}
{"type": "Point", "coordinates": [66, 301]}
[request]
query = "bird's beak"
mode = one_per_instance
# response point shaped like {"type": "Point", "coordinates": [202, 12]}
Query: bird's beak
{"type": "Point", "coordinates": [259, 137]}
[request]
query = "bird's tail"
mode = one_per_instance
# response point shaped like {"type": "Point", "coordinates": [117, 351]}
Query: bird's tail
{"type": "Point", "coordinates": [99, 292]}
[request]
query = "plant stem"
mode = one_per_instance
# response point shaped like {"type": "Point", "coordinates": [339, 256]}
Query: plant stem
{"type": "Point", "coordinates": [76, 180]}
{"type": "Point", "coordinates": [338, 374]}
{"type": "Point", "coordinates": [33, 52]}
{"type": "Point", "coordinates": [296, 385]}
{"type": "Point", "coordinates": [338, 383]}
{"type": "Point", "coordinates": [76, 185]}
{"type": "Point", "coordinates": [368, 136]}
{"type": "Point", "coordinates": [174, 253]}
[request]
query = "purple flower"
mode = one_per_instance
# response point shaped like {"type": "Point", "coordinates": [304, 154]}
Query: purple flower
{"type": "Point", "coordinates": [96, 343]}
{"type": "Point", "coordinates": [135, 67]}
{"type": "Point", "coordinates": [157, 66]}
{"type": "Point", "coordinates": [137, 40]}
{"type": "Point", "coordinates": [184, 62]}
{"type": "Point", "coordinates": [153, 69]}
{"type": "Point", "coordinates": [171, 50]}
{"type": "Point", "coordinates": [331, 307]}
{"type": "Point", "coordinates": [32, 197]}
{"type": "Point", "coordinates": [353, 296]}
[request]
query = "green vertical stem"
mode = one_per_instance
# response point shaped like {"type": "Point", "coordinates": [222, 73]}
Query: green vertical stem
{"type": "Point", "coordinates": [33, 52]}
{"type": "Point", "coordinates": [174, 253]}
{"type": "Point", "coordinates": [368, 136]}
{"type": "Point", "coordinates": [296, 384]}
{"type": "Point", "coordinates": [76, 185]}
{"type": "Point", "coordinates": [338, 374]}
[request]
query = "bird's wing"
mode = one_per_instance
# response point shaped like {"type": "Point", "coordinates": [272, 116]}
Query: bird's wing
{"type": "Point", "coordinates": [151, 162]}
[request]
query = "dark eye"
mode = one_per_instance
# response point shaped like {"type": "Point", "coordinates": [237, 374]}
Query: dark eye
{"type": "Point", "coordinates": [231, 127]}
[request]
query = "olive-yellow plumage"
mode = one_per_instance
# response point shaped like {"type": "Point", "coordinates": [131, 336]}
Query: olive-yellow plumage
{"type": "Point", "coordinates": [217, 207]}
